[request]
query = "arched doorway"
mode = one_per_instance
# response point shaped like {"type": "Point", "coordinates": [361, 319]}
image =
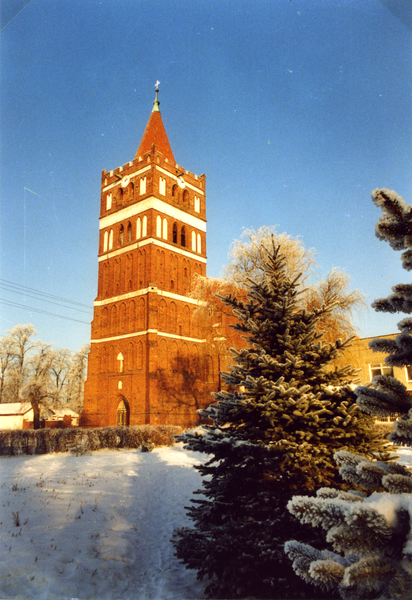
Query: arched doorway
{"type": "Point", "coordinates": [123, 413]}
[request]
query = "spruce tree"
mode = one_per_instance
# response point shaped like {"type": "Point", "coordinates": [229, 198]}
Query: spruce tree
{"type": "Point", "coordinates": [271, 437]}
{"type": "Point", "coordinates": [371, 531]}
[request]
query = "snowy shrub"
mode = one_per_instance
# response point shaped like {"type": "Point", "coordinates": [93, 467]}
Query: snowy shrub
{"type": "Point", "coordinates": [43, 441]}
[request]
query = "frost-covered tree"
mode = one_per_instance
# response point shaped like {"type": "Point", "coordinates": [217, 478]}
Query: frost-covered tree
{"type": "Point", "coordinates": [6, 356]}
{"type": "Point", "coordinates": [20, 344]}
{"type": "Point", "coordinates": [246, 261]}
{"type": "Point", "coordinates": [26, 364]}
{"type": "Point", "coordinates": [273, 436]}
{"type": "Point", "coordinates": [38, 389]}
{"type": "Point", "coordinates": [76, 378]}
{"type": "Point", "coordinates": [370, 531]}
{"type": "Point", "coordinates": [247, 258]}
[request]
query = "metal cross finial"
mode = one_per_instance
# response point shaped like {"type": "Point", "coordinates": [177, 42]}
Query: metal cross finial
{"type": "Point", "coordinates": [157, 84]}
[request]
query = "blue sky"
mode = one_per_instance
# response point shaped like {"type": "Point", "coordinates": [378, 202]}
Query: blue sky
{"type": "Point", "coordinates": [294, 109]}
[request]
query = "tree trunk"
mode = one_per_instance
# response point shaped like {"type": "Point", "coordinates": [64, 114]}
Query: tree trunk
{"type": "Point", "coordinates": [36, 414]}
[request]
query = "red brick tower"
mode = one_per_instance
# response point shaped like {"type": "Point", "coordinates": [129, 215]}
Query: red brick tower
{"type": "Point", "coordinates": [145, 335]}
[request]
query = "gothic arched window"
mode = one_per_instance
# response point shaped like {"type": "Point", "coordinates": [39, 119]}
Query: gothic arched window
{"type": "Point", "coordinates": [104, 321]}
{"type": "Point", "coordinates": [139, 355]}
{"type": "Point", "coordinates": [129, 232]}
{"type": "Point", "coordinates": [121, 235]}
{"type": "Point", "coordinates": [175, 233]}
{"type": "Point", "coordinates": [113, 319]}
{"type": "Point", "coordinates": [183, 237]}
{"type": "Point", "coordinates": [174, 191]}
{"type": "Point", "coordinates": [120, 360]}
{"type": "Point", "coordinates": [130, 353]}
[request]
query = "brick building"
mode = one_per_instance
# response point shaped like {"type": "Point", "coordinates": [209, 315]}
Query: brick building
{"type": "Point", "coordinates": [147, 362]}
{"type": "Point", "coordinates": [370, 363]}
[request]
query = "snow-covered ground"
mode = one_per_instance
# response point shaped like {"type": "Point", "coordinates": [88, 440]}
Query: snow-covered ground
{"type": "Point", "coordinates": [96, 526]}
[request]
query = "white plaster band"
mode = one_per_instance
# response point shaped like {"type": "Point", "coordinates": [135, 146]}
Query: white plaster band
{"type": "Point", "coordinates": [152, 203]}
{"type": "Point", "coordinates": [159, 243]}
{"type": "Point", "coordinates": [143, 292]}
{"type": "Point", "coordinates": [140, 333]}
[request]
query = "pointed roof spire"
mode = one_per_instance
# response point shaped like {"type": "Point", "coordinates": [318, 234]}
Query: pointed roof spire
{"type": "Point", "coordinates": [155, 133]}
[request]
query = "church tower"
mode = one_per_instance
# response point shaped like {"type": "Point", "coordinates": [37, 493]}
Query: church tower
{"type": "Point", "coordinates": [146, 363]}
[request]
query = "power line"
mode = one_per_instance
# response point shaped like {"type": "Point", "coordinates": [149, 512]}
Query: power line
{"type": "Point", "coordinates": [44, 312]}
{"type": "Point", "coordinates": [30, 295]}
{"type": "Point", "coordinates": [28, 291]}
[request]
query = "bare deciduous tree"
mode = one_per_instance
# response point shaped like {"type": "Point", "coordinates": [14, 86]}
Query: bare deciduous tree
{"type": "Point", "coordinates": [6, 356]}
{"type": "Point", "coordinates": [247, 262]}
{"type": "Point", "coordinates": [249, 252]}
{"type": "Point", "coordinates": [76, 378]}
{"type": "Point", "coordinates": [40, 374]}
{"type": "Point", "coordinates": [38, 389]}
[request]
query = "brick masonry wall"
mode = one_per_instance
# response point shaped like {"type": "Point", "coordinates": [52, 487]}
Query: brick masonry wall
{"type": "Point", "coordinates": [147, 342]}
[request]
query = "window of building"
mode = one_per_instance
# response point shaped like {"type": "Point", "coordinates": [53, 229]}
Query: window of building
{"type": "Point", "coordinates": [165, 229]}
{"type": "Point", "coordinates": [144, 228]}
{"type": "Point", "coordinates": [121, 235]}
{"type": "Point", "coordinates": [197, 204]}
{"type": "Point", "coordinates": [142, 185]}
{"type": "Point", "coordinates": [129, 232]}
{"type": "Point", "coordinates": [199, 243]}
{"type": "Point", "coordinates": [138, 228]}
{"type": "Point", "coordinates": [193, 241]}
{"type": "Point", "coordinates": [130, 192]}
{"type": "Point", "coordinates": [174, 233]}
{"type": "Point", "coordinates": [105, 241]}
{"type": "Point", "coordinates": [120, 361]}
{"type": "Point", "coordinates": [111, 239]}
{"type": "Point", "coordinates": [108, 201]}
{"type": "Point", "coordinates": [186, 198]}
{"type": "Point", "coordinates": [387, 419]}
{"type": "Point", "coordinates": [162, 186]}
{"type": "Point", "coordinates": [174, 191]}
{"type": "Point", "coordinates": [159, 226]}
{"type": "Point", "coordinates": [380, 369]}
{"type": "Point", "coordinates": [408, 370]}
{"type": "Point", "coordinates": [183, 237]}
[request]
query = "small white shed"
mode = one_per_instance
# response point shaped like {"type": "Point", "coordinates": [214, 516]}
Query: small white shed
{"type": "Point", "coordinates": [12, 415]}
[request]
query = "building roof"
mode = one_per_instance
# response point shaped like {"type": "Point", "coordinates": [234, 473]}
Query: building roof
{"type": "Point", "coordinates": [155, 133]}
{"type": "Point", "coordinates": [15, 408]}
{"type": "Point", "coordinates": [61, 412]}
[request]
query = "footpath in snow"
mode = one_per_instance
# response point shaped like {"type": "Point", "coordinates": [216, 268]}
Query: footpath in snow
{"type": "Point", "coordinates": [96, 526]}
